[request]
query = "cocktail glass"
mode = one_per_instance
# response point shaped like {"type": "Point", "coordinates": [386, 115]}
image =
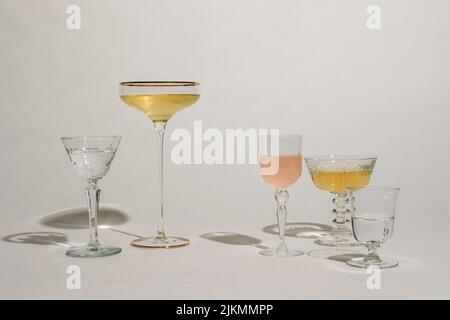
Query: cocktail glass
{"type": "Point", "coordinates": [281, 166]}
{"type": "Point", "coordinates": [373, 224]}
{"type": "Point", "coordinates": [340, 175]}
{"type": "Point", "coordinates": [160, 100]}
{"type": "Point", "coordinates": [91, 158]}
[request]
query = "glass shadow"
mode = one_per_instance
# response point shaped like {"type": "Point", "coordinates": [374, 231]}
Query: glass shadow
{"type": "Point", "coordinates": [305, 230]}
{"type": "Point", "coordinates": [78, 218]}
{"type": "Point", "coordinates": [233, 238]}
{"type": "Point", "coordinates": [40, 238]}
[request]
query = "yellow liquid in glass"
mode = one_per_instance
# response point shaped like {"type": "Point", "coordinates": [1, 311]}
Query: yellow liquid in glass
{"type": "Point", "coordinates": [160, 107]}
{"type": "Point", "coordinates": [338, 181]}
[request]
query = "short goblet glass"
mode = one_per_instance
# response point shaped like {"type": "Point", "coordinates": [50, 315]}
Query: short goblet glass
{"type": "Point", "coordinates": [373, 223]}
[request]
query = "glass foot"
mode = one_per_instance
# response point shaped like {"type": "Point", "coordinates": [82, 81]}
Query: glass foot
{"type": "Point", "coordinates": [275, 253]}
{"type": "Point", "coordinates": [331, 241]}
{"type": "Point", "coordinates": [158, 243]}
{"type": "Point", "coordinates": [92, 252]}
{"type": "Point", "coordinates": [361, 263]}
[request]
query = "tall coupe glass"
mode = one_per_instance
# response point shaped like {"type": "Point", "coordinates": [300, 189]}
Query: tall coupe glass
{"type": "Point", "coordinates": [160, 100]}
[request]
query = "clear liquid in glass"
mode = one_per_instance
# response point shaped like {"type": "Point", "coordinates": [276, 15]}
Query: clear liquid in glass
{"type": "Point", "coordinates": [91, 163]}
{"type": "Point", "coordinates": [373, 230]}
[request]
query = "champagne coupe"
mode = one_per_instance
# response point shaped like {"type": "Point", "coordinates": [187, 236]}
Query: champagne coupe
{"type": "Point", "coordinates": [373, 223]}
{"type": "Point", "coordinates": [281, 166]}
{"type": "Point", "coordinates": [160, 100]}
{"type": "Point", "coordinates": [340, 175]}
{"type": "Point", "coordinates": [91, 158]}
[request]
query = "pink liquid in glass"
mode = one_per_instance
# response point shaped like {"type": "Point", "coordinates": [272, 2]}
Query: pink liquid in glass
{"type": "Point", "coordinates": [289, 170]}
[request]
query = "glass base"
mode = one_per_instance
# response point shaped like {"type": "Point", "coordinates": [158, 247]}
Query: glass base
{"type": "Point", "coordinates": [158, 243]}
{"type": "Point", "coordinates": [275, 253]}
{"type": "Point", "coordinates": [361, 263]}
{"type": "Point", "coordinates": [331, 241]}
{"type": "Point", "coordinates": [92, 252]}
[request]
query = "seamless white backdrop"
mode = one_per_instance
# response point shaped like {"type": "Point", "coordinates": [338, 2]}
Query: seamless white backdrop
{"type": "Point", "coordinates": [310, 67]}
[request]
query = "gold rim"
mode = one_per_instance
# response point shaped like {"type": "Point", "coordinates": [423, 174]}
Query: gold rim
{"type": "Point", "coordinates": [159, 84]}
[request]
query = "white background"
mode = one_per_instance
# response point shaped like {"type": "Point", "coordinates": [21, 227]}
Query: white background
{"type": "Point", "coordinates": [310, 67]}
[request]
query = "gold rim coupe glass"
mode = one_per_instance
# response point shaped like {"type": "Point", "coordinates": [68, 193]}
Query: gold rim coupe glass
{"type": "Point", "coordinates": [160, 100]}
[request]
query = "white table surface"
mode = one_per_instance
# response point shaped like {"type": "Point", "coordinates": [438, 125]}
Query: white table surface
{"type": "Point", "coordinates": [214, 270]}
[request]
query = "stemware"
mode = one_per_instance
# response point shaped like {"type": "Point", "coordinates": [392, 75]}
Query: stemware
{"type": "Point", "coordinates": [91, 158]}
{"type": "Point", "coordinates": [160, 100]}
{"type": "Point", "coordinates": [281, 166]}
{"type": "Point", "coordinates": [373, 223]}
{"type": "Point", "coordinates": [340, 175]}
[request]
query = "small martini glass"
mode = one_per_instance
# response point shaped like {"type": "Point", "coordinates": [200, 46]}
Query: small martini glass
{"type": "Point", "coordinates": [91, 158]}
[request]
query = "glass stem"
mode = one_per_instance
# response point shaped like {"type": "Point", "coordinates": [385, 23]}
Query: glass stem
{"type": "Point", "coordinates": [341, 212]}
{"type": "Point", "coordinates": [281, 196]}
{"type": "Point", "coordinates": [159, 129]}
{"type": "Point", "coordinates": [351, 202]}
{"type": "Point", "coordinates": [372, 257]}
{"type": "Point", "coordinates": [93, 197]}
